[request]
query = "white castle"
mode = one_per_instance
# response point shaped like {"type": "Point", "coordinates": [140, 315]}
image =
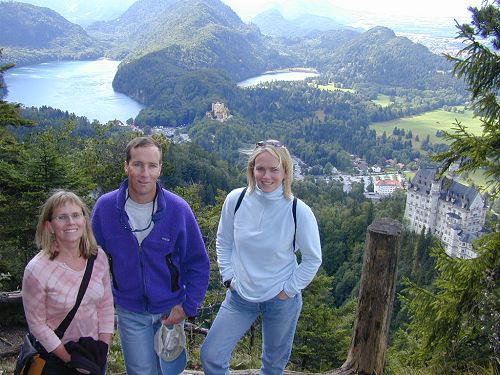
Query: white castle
{"type": "Point", "coordinates": [453, 212]}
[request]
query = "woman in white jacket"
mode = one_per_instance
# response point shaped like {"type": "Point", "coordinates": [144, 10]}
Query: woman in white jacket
{"type": "Point", "coordinates": [259, 232]}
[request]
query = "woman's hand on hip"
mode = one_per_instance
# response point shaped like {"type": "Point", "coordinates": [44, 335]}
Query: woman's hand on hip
{"type": "Point", "coordinates": [282, 295]}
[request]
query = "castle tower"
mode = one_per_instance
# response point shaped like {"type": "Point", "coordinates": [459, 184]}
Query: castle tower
{"type": "Point", "coordinates": [434, 202]}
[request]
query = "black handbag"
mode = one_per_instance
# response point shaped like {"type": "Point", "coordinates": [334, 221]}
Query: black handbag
{"type": "Point", "coordinates": [30, 360]}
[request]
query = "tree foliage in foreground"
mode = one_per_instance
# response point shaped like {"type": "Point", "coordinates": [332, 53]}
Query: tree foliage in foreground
{"type": "Point", "coordinates": [455, 324]}
{"type": "Point", "coordinates": [479, 64]}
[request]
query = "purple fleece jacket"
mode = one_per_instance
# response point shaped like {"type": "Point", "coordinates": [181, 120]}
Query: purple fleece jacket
{"type": "Point", "coordinates": [171, 265]}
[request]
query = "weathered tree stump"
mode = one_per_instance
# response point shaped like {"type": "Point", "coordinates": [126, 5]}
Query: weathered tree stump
{"type": "Point", "coordinates": [376, 298]}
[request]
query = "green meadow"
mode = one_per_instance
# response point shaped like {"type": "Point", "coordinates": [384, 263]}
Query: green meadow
{"type": "Point", "coordinates": [428, 124]}
{"type": "Point", "coordinates": [382, 100]}
{"type": "Point", "coordinates": [476, 178]}
{"type": "Point", "coordinates": [331, 87]}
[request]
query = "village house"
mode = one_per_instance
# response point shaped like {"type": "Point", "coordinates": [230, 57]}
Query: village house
{"type": "Point", "coordinates": [386, 187]}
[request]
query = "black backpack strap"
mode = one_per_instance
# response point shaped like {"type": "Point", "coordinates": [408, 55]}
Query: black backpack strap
{"type": "Point", "coordinates": [240, 198]}
{"type": "Point", "coordinates": [59, 331]}
{"type": "Point", "coordinates": [294, 213]}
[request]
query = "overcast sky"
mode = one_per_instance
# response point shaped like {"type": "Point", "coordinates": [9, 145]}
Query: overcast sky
{"type": "Point", "coordinates": [452, 9]}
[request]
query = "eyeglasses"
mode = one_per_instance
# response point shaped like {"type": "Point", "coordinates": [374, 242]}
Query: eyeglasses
{"type": "Point", "coordinates": [270, 142]}
{"type": "Point", "coordinates": [64, 218]}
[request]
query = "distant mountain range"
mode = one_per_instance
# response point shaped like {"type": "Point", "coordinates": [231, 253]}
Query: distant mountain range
{"type": "Point", "coordinates": [85, 12]}
{"type": "Point", "coordinates": [273, 23]}
{"type": "Point", "coordinates": [30, 34]}
{"type": "Point", "coordinates": [28, 26]}
{"type": "Point", "coordinates": [164, 42]}
{"type": "Point", "coordinates": [190, 34]}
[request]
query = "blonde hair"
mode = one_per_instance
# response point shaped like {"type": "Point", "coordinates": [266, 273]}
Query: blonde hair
{"type": "Point", "coordinates": [284, 158]}
{"type": "Point", "coordinates": [44, 239]}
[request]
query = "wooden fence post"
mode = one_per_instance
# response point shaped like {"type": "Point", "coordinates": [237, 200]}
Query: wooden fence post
{"type": "Point", "coordinates": [376, 298]}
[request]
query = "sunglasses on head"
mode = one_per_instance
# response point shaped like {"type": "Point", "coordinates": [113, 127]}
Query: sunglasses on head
{"type": "Point", "coordinates": [269, 142]}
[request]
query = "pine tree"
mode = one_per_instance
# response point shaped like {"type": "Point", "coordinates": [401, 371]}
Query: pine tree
{"type": "Point", "coordinates": [455, 323]}
{"type": "Point", "coordinates": [479, 64]}
{"type": "Point", "coordinates": [323, 332]}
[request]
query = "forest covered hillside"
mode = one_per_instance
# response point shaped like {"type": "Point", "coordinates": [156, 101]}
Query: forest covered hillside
{"type": "Point", "coordinates": [223, 51]}
{"type": "Point", "coordinates": [85, 12]}
{"type": "Point", "coordinates": [31, 34]}
{"type": "Point", "coordinates": [205, 41]}
{"type": "Point", "coordinates": [198, 34]}
{"type": "Point", "coordinates": [379, 56]}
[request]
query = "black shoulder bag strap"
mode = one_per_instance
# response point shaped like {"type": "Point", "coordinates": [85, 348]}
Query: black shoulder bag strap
{"type": "Point", "coordinates": [59, 331]}
{"type": "Point", "coordinates": [294, 211]}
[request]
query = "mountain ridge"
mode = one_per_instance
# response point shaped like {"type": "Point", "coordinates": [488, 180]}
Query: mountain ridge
{"type": "Point", "coordinates": [28, 26]}
{"type": "Point", "coordinates": [272, 22]}
{"type": "Point", "coordinates": [85, 12]}
{"type": "Point", "coordinates": [169, 43]}
{"type": "Point", "coordinates": [32, 34]}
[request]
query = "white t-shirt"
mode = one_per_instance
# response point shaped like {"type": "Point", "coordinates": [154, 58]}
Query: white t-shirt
{"type": "Point", "coordinates": [140, 217]}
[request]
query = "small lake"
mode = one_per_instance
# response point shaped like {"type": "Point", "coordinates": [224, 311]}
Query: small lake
{"type": "Point", "coordinates": [79, 87]}
{"type": "Point", "coordinates": [278, 76]}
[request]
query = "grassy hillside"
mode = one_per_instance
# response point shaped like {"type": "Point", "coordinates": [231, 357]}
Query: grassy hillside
{"type": "Point", "coordinates": [383, 100]}
{"type": "Point", "coordinates": [428, 124]}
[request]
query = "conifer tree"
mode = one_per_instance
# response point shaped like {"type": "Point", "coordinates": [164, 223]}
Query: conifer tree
{"type": "Point", "coordinates": [479, 64]}
{"type": "Point", "coordinates": [455, 324]}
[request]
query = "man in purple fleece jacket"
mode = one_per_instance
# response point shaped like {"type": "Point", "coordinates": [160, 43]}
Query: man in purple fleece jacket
{"type": "Point", "coordinates": [159, 264]}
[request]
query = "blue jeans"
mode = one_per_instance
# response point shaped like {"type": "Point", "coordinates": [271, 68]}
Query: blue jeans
{"type": "Point", "coordinates": [235, 317]}
{"type": "Point", "coordinates": [137, 331]}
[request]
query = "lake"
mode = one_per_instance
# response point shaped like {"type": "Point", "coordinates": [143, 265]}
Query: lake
{"type": "Point", "coordinates": [278, 76]}
{"type": "Point", "coordinates": [84, 88]}
{"type": "Point", "coordinates": [79, 87]}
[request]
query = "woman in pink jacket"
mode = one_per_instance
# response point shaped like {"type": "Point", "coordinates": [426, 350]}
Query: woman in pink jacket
{"type": "Point", "coordinates": [52, 279]}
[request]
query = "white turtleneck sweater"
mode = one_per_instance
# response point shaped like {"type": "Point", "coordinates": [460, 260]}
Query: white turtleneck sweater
{"type": "Point", "coordinates": [255, 245]}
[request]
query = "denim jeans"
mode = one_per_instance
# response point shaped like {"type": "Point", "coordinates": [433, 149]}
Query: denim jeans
{"type": "Point", "coordinates": [137, 331]}
{"type": "Point", "coordinates": [235, 317]}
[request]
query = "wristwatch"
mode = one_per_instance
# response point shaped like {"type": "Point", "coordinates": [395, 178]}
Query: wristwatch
{"type": "Point", "coordinates": [227, 283]}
